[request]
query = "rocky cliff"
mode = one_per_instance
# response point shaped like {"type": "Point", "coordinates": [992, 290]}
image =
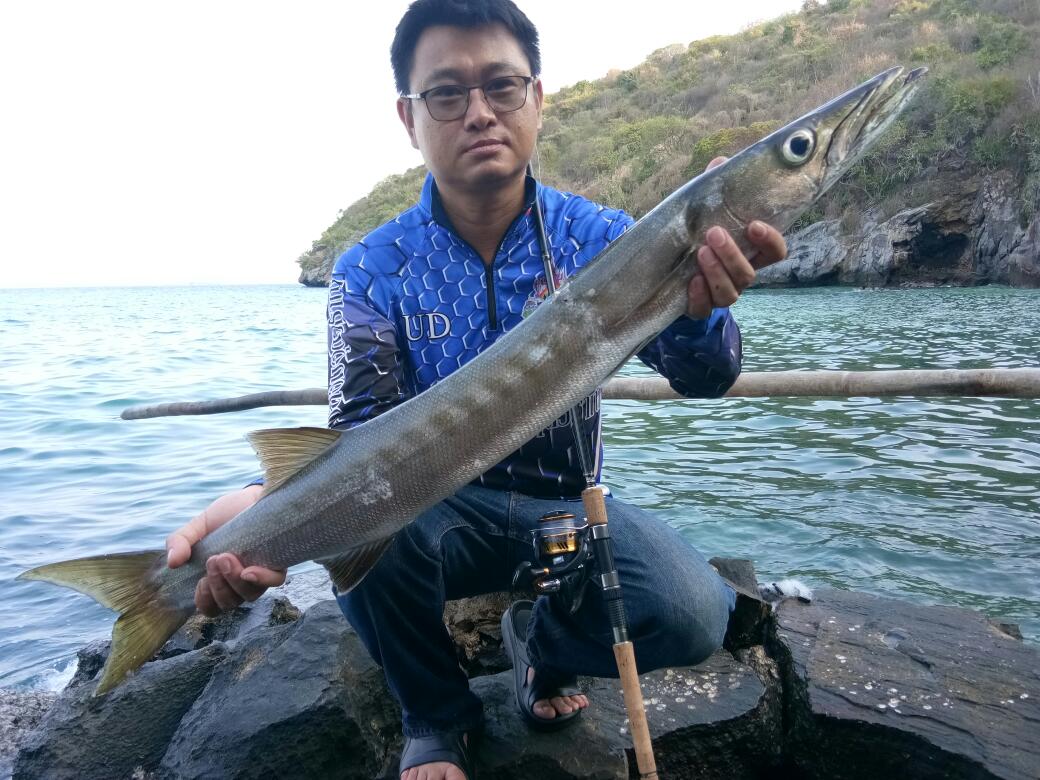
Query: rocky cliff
{"type": "Point", "coordinates": [971, 234]}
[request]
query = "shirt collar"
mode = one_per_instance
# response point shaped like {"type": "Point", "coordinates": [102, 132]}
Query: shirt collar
{"type": "Point", "coordinates": [430, 200]}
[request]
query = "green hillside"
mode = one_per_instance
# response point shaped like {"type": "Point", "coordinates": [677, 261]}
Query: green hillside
{"type": "Point", "coordinates": [633, 136]}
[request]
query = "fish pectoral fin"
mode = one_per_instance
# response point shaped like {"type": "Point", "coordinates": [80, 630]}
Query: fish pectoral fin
{"type": "Point", "coordinates": [349, 569]}
{"type": "Point", "coordinates": [124, 582]}
{"type": "Point", "coordinates": [285, 451]}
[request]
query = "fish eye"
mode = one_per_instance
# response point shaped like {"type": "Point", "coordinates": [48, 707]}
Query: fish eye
{"type": "Point", "coordinates": [798, 147]}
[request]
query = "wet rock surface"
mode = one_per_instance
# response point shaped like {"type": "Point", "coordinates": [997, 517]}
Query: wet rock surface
{"type": "Point", "coordinates": [20, 713]}
{"type": "Point", "coordinates": [850, 686]}
{"type": "Point", "coordinates": [878, 687]}
{"type": "Point", "coordinates": [289, 700]}
{"type": "Point", "coordinates": [112, 736]}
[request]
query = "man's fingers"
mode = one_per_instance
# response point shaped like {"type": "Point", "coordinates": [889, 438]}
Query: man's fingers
{"type": "Point", "coordinates": [265, 578]}
{"type": "Point", "coordinates": [204, 599]}
{"type": "Point", "coordinates": [768, 241]}
{"type": "Point", "coordinates": [231, 569]}
{"type": "Point", "coordinates": [725, 271]}
{"type": "Point", "coordinates": [734, 263]}
{"type": "Point", "coordinates": [720, 285]}
{"type": "Point", "coordinates": [180, 542]}
{"type": "Point", "coordinates": [223, 594]}
{"type": "Point", "coordinates": [248, 584]}
{"type": "Point", "coordinates": [178, 550]}
{"type": "Point", "coordinates": [716, 162]}
{"type": "Point", "coordinates": [698, 302]}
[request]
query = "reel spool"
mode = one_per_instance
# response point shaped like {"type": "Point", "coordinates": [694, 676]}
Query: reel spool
{"type": "Point", "coordinates": [561, 550]}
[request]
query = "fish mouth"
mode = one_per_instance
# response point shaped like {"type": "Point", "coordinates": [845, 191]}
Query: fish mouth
{"type": "Point", "coordinates": [875, 105]}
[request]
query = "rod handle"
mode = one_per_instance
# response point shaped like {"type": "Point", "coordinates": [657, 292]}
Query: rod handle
{"type": "Point", "coordinates": [626, 664]}
{"type": "Point", "coordinates": [595, 505]}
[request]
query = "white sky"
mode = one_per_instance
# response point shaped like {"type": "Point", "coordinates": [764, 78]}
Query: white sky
{"type": "Point", "coordinates": [192, 142]}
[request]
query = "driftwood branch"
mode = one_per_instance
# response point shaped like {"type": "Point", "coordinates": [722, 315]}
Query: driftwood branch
{"type": "Point", "coordinates": [999, 382]}
{"type": "Point", "coordinates": [312, 396]}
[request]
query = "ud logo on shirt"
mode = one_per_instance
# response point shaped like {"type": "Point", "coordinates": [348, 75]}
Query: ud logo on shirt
{"type": "Point", "coordinates": [429, 326]}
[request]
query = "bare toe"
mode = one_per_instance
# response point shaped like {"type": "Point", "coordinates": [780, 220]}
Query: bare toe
{"type": "Point", "coordinates": [561, 705]}
{"type": "Point", "coordinates": [543, 708]}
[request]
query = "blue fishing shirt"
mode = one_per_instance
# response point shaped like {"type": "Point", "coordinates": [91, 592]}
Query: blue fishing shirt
{"type": "Point", "coordinates": [412, 302]}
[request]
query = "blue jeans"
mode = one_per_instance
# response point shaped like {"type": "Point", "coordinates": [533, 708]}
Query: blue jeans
{"type": "Point", "coordinates": [470, 544]}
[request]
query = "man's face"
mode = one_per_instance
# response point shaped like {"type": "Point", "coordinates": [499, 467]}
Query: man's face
{"type": "Point", "coordinates": [482, 149]}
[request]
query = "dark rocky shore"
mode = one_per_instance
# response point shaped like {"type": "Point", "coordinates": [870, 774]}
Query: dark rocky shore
{"type": "Point", "coordinates": [848, 686]}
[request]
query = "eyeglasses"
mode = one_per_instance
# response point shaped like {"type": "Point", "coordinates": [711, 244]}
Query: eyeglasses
{"type": "Point", "coordinates": [451, 101]}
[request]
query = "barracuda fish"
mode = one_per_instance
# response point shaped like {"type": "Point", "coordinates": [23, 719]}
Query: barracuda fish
{"type": "Point", "coordinates": [340, 497]}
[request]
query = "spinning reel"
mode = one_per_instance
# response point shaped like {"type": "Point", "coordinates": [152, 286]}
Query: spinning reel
{"type": "Point", "coordinates": [561, 555]}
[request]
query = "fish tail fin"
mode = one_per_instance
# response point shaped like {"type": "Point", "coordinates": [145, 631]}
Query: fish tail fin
{"type": "Point", "coordinates": [124, 582]}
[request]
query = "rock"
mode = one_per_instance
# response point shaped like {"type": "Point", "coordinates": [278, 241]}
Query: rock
{"type": "Point", "coordinates": [313, 277]}
{"type": "Point", "coordinates": [20, 713]}
{"type": "Point", "coordinates": [751, 615]}
{"type": "Point", "coordinates": [475, 625]}
{"type": "Point", "coordinates": [880, 688]}
{"type": "Point", "coordinates": [297, 700]}
{"type": "Point", "coordinates": [82, 737]}
{"type": "Point", "coordinates": [1010, 630]}
{"type": "Point", "coordinates": [89, 660]}
{"type": "Point", "coordinates": [815, 256]}
{"type": "Point", "coordinates": [198, 632]}
{"type": "Point", "coordinates": [926, 245]}
{"type": "Point", "coordinates": [272, 609]}
{"type": "Point", "coordinates": [969, 235]}
{"type": "Point", "coordinates": [307, 587]}
{"type": "Point", "coordinates": [995, 228]}
{"type": "Point", "coordinates": [1024, 263]}
{"type": "Point", "coordinates": [850, 686]}
{"type": "Point", "coordinates": [717, 720]}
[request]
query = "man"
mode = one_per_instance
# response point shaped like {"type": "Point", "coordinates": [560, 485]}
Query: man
{"type": "Point", "coordinates": [424, 294]}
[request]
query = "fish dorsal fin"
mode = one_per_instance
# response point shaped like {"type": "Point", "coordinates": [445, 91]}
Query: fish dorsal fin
{"type": "Point", "coordinates": [349, 569]}
{"type": "Point", "coordinates": [285, 451]}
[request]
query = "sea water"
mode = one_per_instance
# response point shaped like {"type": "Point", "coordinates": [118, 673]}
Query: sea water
{"type": "Point", "coordinates": [934, 500]}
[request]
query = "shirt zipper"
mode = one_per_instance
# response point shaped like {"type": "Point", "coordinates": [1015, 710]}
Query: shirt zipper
{"type": "Point", "coordinates": [489, 283]}
{"type": "Point", "coordinates": [489, 271]}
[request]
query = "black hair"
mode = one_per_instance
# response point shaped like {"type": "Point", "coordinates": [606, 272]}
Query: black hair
{"type": "Point", "coordinates": [458, 13]}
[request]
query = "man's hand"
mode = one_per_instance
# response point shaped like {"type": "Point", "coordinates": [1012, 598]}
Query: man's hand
{"type": "Point", "coordinates": [226, 584]}
{"type": "Point", "coordinates": [724, 270]}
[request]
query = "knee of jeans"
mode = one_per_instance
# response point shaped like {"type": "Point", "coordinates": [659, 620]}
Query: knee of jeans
{"type": "Point", "coordinates": [693, 629]}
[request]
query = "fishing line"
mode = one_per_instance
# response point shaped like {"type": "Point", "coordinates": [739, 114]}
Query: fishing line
{"type": "Point", "coordinates": [585, 460]}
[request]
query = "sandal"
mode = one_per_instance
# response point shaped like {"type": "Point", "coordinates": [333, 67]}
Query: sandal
{"type": "Point", "coordinates": [514, 639]}
{"type": "Point", "coordinates": [448, 746]}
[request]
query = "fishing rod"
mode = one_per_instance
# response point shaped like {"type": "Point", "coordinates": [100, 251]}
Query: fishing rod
{"type": "Point", "coordinates": [595, 504]}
